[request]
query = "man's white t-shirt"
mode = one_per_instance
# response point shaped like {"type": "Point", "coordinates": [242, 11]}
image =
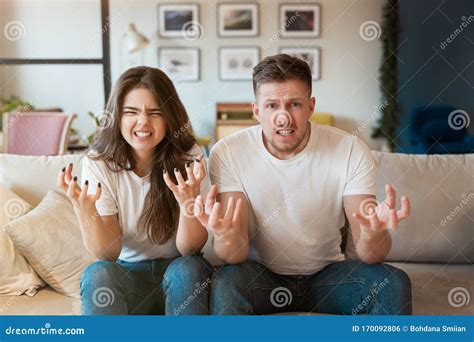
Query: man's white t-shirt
{"type": "Point", "coordinates": [124, 193]}
{"type": "Point", "coordinates": [296, 208]}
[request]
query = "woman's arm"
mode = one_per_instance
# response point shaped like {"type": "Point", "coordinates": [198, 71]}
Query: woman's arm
{"type": "Point", "coordinates": [191, 235]}
{"type": "Point", "coordinates": [101, 234]}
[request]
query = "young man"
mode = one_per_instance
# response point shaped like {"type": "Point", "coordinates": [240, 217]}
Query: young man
{"type": "Point", "coordinates": [286, 185]}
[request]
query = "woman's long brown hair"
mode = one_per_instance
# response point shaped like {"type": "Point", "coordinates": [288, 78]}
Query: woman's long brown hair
{"type": "Point", "coordinates": [161, 212]}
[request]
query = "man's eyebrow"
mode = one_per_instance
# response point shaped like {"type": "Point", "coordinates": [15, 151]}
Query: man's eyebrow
{"type": "Point", "coordinates": [274, 99]}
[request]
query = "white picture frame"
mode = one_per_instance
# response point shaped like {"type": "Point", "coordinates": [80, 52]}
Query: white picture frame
{"type": "Point", "coordinates": [237, 20]}
{"type": "Point", "coordinates": [181, 64]}
{"type": "Point", "coordinates": [236, 63]}
{"type": "Point", "coordinates": [300, 21]}
{"type": "Point", "coordinates": [175, 18]}
{"type": "Point", "coordinates": [309, 54]}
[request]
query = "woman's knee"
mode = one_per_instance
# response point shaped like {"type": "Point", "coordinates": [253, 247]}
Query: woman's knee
{"type": "Point", "coordinates": [188, 270]}
{"type": "Point", "coordinates": [101, 274]}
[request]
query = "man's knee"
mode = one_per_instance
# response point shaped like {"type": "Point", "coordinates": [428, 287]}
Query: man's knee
{"type": "Point", "coordinates": [392, 288]}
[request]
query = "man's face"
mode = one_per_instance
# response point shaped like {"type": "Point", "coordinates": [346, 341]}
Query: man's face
{"type": "Point", "coordinates": [283, 109]}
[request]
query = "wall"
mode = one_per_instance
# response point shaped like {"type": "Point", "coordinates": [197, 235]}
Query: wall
{"type": "Point", "coordinates": [431, 70]}
{"type": "Point", "coordinates": [348, 88]}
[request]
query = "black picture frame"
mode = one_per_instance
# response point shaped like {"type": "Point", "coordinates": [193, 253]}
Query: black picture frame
{"type": "Point", "coordinates": [254, 31]}
{"type": "Point", "coordinates": [169, 29]}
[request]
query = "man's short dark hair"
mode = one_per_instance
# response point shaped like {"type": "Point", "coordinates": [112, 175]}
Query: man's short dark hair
{"type": "Point", "coordinates": [280, 68]}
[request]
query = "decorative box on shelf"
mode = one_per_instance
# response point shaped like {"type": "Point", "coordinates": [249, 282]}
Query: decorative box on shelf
{"type": "Point", "coordinates": [232, 117]}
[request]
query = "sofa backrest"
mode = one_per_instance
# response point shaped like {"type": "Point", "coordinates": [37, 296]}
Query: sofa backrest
{"type": "Point", "coordinates": [30, 177]}
{"type": "Point", "coordinates": [441, 192]}
{"type": "Point", "coordinates": [440, 188]}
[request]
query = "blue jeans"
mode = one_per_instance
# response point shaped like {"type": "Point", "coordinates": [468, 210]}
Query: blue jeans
{"type": "Point", "coordinates": [178, 286]}
{"type": "Point", "coordinates": [343, 287]}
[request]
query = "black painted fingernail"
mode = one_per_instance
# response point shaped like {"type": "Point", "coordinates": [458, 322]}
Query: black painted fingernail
{"type": "Point", "coordinates": [175, 170]}
{"type": "Point", "coordinates": [197, 160]}
{"type": "Point", "coordinates": [63, 170]}
{"type": "Point", "coordinates": [87, 182]}
{"type": "Point", "coordinates": [187, 164]}
{"type": "Point", "coordinates": [164, 171]}
{"type": "Point", "coordinates": [70, 164]}
{"type": "Point", "coordinates": [99, 185]}
{"type": "Point", "coordinates": [75, 178]}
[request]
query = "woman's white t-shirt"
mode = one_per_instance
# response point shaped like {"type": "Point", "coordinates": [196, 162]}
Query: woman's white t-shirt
{"type": "Point", "coordinates": [124, 193]}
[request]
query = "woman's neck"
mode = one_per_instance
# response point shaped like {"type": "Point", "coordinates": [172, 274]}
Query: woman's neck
{"type": "Point", "coordinates": [143, 164]}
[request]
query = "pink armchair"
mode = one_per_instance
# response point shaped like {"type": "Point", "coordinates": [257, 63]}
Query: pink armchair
{"type": "Point", "coordinates": [36, 133]}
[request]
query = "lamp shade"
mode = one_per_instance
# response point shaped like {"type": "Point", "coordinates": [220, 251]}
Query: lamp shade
{"type": "Point", "coordinates": [135, 40]}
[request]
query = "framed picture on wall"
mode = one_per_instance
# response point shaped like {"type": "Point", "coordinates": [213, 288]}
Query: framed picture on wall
{"type": "Point", "coordinates": [180, 64]}
{"type": "Point", "coordinates": [300, 21]}
{"type": "Point", "coordinates": [237, 20]}
{"type": "Point", "coordinates": [178, 20]}
{"type": "Point", "coordinates": [236, 63]}
{"type": "Point", "coordinates": [311, 55]}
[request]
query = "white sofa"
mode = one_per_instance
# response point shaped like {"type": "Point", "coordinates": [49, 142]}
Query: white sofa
{"type": "Point", "coordinates": [437, 257]}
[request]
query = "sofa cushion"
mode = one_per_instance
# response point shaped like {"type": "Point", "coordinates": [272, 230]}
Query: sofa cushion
{"type": "Point", "coordinates": [50, 238]}
{"type": "Point", "coordinates": [46, 302]}
{"type": "Point", "coordinates": [440, 289]}
{"type": "Point", "coordinates": [16, 275]}
{"type": "Point", "coordinates": [437, 289]}
{"type": "Point", "coordinates": [441, 192]}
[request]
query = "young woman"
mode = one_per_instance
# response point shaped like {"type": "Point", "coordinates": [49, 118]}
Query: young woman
{"type": "Point", "coordinates": [135, 206]}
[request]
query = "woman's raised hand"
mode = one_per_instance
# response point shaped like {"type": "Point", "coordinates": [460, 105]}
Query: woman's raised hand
{"type": "Point", "coordinates": [186, 191]}
{"type": "Point", "coordinates": [79, 197]}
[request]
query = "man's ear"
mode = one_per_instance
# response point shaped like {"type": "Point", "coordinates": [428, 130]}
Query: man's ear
{"type": "Point", "coordinates": [312, 104]}
{"type": "Point", "coordinates": [256, 112]}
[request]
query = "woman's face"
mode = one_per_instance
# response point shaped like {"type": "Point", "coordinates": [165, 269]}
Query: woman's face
{"type": "Point", "coordinates": [142, 124]}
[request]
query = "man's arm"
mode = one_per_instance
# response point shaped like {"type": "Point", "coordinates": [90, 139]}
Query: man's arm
{"type": "Point", "coordinates": [369, 222]}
